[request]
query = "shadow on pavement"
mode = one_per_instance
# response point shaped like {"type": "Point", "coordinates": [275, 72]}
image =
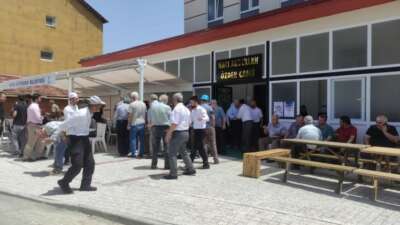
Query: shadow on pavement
{"type": "Point", "coordinates": [53, 192]}
{"type": "Point", "coordinates": [326, 183]}
{"type": "Point", "coordinates": [142, 168]}
{"type": "Point", "coordinates": [39, 174]}
{"type": "Point", "coordinates": [157, 176]}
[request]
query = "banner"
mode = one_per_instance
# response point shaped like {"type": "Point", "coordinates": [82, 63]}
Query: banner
{"type": "Point", "coordinates": [28, 82]}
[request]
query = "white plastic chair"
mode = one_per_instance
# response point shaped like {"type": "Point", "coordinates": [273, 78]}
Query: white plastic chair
{"type": "Point", "coordinates": [100, 137]}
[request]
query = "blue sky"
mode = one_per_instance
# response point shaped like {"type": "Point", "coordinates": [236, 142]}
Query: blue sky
{"type": "Point", "coordinates": [134, 22]}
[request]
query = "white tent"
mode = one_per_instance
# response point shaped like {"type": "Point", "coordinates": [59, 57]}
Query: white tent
{"type": "Point", "coordinates": [121, 76]}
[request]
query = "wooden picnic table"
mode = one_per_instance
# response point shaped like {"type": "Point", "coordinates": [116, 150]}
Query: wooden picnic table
{"type": "Point", "coordinates": [343, 147]}
{"type": "Point", "coordinates": [383, 155]}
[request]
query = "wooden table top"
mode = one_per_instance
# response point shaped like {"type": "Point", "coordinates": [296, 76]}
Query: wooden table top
{"type": "Point", "coordinates": [382, 151]}
{"type": "Point", "coordinates": [327, 144]}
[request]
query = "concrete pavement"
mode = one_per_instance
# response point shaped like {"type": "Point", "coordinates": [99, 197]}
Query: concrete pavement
{"type": "Point", "coordinates": [128, 188]}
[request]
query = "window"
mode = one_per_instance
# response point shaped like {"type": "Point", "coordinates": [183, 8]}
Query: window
{"type": "Point", "coordinates": [202, 91]}
{"type": "Point", "coordinates": [385, 43]}
{"type": "Point", "coordinates": [51, 21]}
{"type": "Point", "coordinates": [238, 52]}
{"type": "Point", "coordinates": [258, 49]}
{"type": "Point", "coordinates": [172, 67]}
{"type": "Point", "coordinates": [348, 98]}
{"type": "Point", "coordinates": [159, 65]}
{"type": "Point", "coordinates": [384, 90]}
{"type": "Point", "coordinates": [46, 55]}
{"type": "Point", "coordinates": [283, 93]}
{"type": "Point", "coordinates": [186, 70]}
{"type": "Point", "coordinates": [350, 48]}
{"type": "Point", "coordinates": [221, 55]}
{"type": "Point", "coordinates": [215, 10]}
{"type": "Point", "coordinates": [313, 95]}
{"type": "Point", "coordinates": [203, 68]}
{"type": "Point", "coordinates": [314, 53]}
{"type": "Point", "coordinates": [248, 5]}
{"type": "Point", "coordinates": [284, 56]}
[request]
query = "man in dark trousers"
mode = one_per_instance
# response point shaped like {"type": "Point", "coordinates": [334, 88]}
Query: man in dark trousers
{"type": "Point", "coordinates": [77, 127]}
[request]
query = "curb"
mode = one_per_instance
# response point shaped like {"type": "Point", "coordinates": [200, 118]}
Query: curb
{"type": "Point", "coordinates": [86, 210]}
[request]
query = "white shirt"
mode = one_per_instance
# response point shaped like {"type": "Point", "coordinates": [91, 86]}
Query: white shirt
{"type": "Point", "coordinates": [69, 110]}
{"type": "Point", "coordinates": [256, 114]}
{"type": "Point", "coordinates": [181, 117]}
{"type": "Point", "coordinates": [78, 124]}
{"type": "Point", "coordinates": [310, 132]}
{"type": "Point", "coordinates": [199, 118]}
{"type": "Point", "coordinates": [244, 113]}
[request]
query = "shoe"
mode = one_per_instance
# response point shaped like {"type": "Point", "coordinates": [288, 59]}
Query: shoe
{"type": "Point", "coordinates": [56, 171]}
{"type": "Point", "coordinates": [28, 160]}
{"type": "Point", "coordinates": [170, 177]}
{"type": "Point", "coordinates": [90, 188]}
{"type": "Point", "coordinates": [216, 161]}
{"type": "Point", "coordinates": [153, 167]}
{"type": "Point", "coordinates": [65, 187]}
{"type": "Point", "coordinates": [66, 163]}
{"type": "Point", "coordinates": [206, 166]}
{"type": "Point", "coordinates": [42, 158]}
{"type": "Point", "coordinates": [189, 172]}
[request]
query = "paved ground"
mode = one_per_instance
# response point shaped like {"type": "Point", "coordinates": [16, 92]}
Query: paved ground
{"type": "Point", "coordinates": [220, 196]}
{"type": "Point", "coordinates": [16, 211]}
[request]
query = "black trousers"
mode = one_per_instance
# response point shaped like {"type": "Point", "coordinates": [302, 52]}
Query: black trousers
{"type": "Point", "coordinates": [236, 132]}
{"type": "Point", "coordinates": [255, 135]}
{"type": "Point", "coordinates": [81, 157]}
{"type": "Point", "coordinates": [220, 136]}
{"type": "Point", "coordinates": [199, 135]}
{"type": "Point", "coordinates": [123, 137]}
{"type": "Point", "coordinates": [247, 128]}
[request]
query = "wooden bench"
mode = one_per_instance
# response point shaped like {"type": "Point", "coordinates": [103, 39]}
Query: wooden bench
{"type": "Point", "coordinates": [376, 175]}
{"type": "Point", "coordinates": [252, 160]}
{"type": "Point", "coordinates": [361, 161]}
{"type": "Point", "coordinates": [341, 170]}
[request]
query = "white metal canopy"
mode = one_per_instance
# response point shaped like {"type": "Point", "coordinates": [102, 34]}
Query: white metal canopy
{"type": "Point", "coordinates": [118, 76]}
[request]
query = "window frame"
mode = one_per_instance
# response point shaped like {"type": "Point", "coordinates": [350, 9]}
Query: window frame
{"type": "Point", "coordinates": [45, 59]}
{"type": "Point", "coordinates": [54, 25]}
{"type": "Point", "coordinates": [216, 18]}
{"type": "Point", "coordinates": [251, 7]}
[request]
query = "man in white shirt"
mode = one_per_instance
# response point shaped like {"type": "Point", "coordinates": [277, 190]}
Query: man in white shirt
{"type": "Point", "coordinates": [77, 127]}
{"type": "Point", "coordinates": [199, 119]}
{"type": "Point", "coordinates": [257, 116]}
{"type": "Point", "coordinates": [309, 131]}
{"type": "Point", "coordinates": [70, 110]}
{"type": "Point", "coordinates": [177, 137]}
{"type": "Point", "coordinates": [244, 115]}
{"type": "Point", "coordinates": [136, 124]}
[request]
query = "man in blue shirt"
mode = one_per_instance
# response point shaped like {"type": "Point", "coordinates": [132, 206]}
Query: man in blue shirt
{"type": "Point", "coordinates": [121, 118]}
{"type": "Point", "coordinates": [235, 124]}
{"type": "Point", "coordinates": [210, 139]}
{"type": "Point", "coordinates": [220, 124]}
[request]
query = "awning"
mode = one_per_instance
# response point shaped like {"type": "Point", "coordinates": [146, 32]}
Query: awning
{"type": "Point", "coordinates": [122, 76]}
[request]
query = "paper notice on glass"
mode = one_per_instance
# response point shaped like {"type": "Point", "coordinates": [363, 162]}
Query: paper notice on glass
{"type": "Point", "coordinates": [289, 109]}
{"type": "Point", "coordinates": [278, 108]}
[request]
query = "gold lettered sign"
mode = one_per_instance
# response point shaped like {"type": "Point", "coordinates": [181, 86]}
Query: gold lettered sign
{"type": "Point", "coordinates": [240, 68]}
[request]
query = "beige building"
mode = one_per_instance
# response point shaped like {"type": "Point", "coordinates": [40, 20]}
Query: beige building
{"type": "Point", "coordinates": [40, 36]}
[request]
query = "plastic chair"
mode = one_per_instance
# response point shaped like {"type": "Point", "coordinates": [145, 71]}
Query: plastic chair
{"type": "Point", "coordinates": [100, 137]}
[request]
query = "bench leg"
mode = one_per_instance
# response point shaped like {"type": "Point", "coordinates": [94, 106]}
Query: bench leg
{"type": "Point", "coordinates": [340, 183]}
{"type": "Point", "coordinates": [251, 166]}
{"type": "Point", "coordinates": [376, 189]}
{"type": "Point", "coordinates": [286, 174]}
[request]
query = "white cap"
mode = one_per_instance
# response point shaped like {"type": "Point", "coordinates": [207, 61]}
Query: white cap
{"type": "Point", "coordinates": [96, 100]}
{"type": "Point", "coordinates": [72, 95]}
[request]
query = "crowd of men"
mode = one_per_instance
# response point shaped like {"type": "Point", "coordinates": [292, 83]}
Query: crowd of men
{"type": "Point", "coordinates": [199, 125]}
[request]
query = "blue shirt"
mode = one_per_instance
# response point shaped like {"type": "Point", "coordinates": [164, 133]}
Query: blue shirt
{"type": "Point", "coordinates": [232, 112]}
{"type": "Point", "coordinates": [122, 112]}
{"type": "Point", "coordinates": [210, 113]}
{"type": "Point", "coordinates": [219, 116]}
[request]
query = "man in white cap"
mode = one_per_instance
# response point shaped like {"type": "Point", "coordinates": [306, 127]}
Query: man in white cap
{"type": "Point", "coordinates": [70, 110]}
{"type": "Point", "coordinates": [77, 127]}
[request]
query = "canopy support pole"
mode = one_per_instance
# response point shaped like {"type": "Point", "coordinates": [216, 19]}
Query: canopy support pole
{"type": "Point", "coordinates": [70, 83]}
{"type": "Point", "coordinates": [142, 64]}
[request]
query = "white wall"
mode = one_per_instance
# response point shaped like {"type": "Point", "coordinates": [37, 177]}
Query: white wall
{"type": "Point", "coordinates": [195, 15]}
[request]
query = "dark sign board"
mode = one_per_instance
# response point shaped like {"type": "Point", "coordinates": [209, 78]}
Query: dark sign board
{"type": "Point", "coordinates": [245, 68]}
